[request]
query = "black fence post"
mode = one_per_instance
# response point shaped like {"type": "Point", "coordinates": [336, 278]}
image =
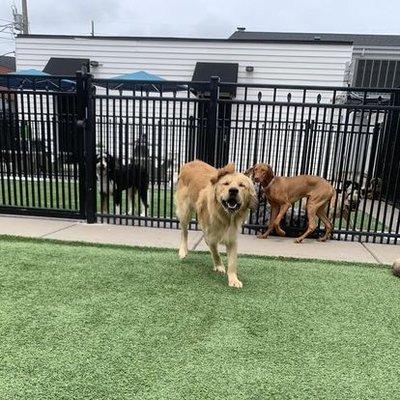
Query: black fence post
{"type": "Point", "coordinates": [305, 153]}
{"type": "Point", "coordinates": [212, 123]}
{"type": "Point", "coordinates": [80, 131]}
{"type": "Point", "coordinates": [90, 153]}
{"type": "Point", "coordinates": [85, 91]}
{"type": "Point", "coordinates": [191, 142]}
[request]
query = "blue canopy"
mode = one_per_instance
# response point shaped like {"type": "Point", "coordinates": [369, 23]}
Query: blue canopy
{"type": "Point", "coordinates": [141, 81]}
{"type": "Point", "coordinates": [35, 79]}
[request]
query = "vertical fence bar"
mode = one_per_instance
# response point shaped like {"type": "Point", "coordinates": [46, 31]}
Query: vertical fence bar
{"type": "Point", "coordinates": [3, 146]}
{"type": "Point", "coordinates": [80, 115]}
{"type": "Point", "coordinates": [48, 150]}
{"type": "Point", "coordinates": [211, 141]}
{"type": "Point", "coordinates": [371, 162]}
{"type": "Point", "coordinates": [90, 152]}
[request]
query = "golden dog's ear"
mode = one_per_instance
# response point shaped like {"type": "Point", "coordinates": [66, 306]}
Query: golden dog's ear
{"type": "Point", "coordinates": [228, 169]}
{"type": "Point", "coordinates": [253, 200]}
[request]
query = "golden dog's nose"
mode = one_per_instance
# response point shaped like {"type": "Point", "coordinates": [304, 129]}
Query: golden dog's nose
{"type": "Point", "coordinates": [233, 191]}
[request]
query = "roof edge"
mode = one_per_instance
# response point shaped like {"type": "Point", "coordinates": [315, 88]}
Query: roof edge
{"type": "Point", "coordinates": [181, 39]}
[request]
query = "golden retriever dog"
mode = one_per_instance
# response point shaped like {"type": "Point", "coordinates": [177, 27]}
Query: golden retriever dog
{"type": "Point", "coordinates": [221, 199]}
{"type": "Point", "coordinates": [281, 192]}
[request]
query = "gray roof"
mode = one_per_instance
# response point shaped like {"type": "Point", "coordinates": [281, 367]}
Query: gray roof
{"type": "Point", "coordinates": [8, 62]}
{"type": "Point", "coordinates": [190, 39]}
{"type": "Point", "coordinates": [358, 40]}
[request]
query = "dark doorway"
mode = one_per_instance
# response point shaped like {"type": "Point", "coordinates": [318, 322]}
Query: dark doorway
{"type": "Point", "coordinates": [227, 72]}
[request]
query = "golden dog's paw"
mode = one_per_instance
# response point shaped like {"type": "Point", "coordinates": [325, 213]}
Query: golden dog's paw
{"type": "Point", "coordinates": [183, 253]}
{"type": "Point", "coordinates": [233, 281]}
{"type": "Point", "coordinates": [298, 240]}
{"type": "Point", "coordinates": [322, 239]}
{"type": "Point", "coordinates": [220, 269]}
{"type": "Point", "coordinates": [262, 236]}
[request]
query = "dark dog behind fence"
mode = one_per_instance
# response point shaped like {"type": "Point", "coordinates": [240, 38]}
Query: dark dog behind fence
{"type": "Point", "coordinates": [49, 140]}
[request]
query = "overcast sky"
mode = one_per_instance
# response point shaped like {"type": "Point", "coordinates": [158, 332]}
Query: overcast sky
{"type": "Point", "coordinates": [203, 18]}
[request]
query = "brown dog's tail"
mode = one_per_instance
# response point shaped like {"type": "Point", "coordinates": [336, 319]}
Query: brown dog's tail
{"type": "Point", "coordinates": [333, 198]}
{"type": "Point", "coordinates": [331, 205]}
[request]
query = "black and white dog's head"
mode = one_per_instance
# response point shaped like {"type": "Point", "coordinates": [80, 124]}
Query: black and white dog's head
{"type": "Point", "coordinates": [104, 162]}
{"type": "Point", "coordinates": [101, 165]}
{"type": "Point", "coordinates": [352, 194]}
{"type": "Point", "coordinates": [374, 189]}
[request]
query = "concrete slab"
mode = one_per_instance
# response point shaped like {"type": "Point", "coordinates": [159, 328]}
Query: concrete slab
{"type": "Point", "coordinates": [384, 253]}
{"type": "Point", "coordinates": [285, 247]}
{"type": "Point", "coordinates": [169, 238]}
{"type": "Point", "coordinates": [31, 226]}
{"type": "Point", "coordinates": [125, 235]}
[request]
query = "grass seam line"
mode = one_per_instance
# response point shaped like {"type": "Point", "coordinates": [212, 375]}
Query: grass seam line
{"type": "Point", "coordinates": [63, 242]}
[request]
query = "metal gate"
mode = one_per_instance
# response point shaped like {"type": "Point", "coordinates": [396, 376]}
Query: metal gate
{"type": "Point", "coordinates": [41, 146]}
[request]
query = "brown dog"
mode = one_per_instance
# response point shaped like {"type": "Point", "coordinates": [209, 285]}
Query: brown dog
{"type": "Point", "coordinates": [281, 192]}
{"type": "Point", "coordinates": [221, 198]}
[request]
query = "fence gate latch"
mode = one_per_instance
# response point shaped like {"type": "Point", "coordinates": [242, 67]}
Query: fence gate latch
{"type": "Point", "coordinates": [81, 123]}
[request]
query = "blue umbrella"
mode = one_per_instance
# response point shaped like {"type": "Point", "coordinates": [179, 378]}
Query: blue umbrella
{"type": "Point", "coordinates": [35, 79]}
{"type": "Point", "coordinates": [141, 81]}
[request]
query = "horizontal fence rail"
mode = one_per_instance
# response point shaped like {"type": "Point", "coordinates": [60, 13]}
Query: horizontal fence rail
{"type": "Point", "coordinates": [111, 150]}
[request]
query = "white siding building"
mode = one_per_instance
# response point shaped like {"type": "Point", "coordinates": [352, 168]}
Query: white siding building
{"type": "Point", "coordinates": [274, 62]}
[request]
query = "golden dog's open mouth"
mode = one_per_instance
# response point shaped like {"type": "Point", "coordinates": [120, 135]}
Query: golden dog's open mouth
{"type": "Point", "coordinates": [231, 205]}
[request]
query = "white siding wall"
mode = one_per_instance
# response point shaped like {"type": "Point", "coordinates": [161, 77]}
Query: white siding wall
{"type": "Point", "coordinates": [274, 63]}
{"type": "Point", "coordinates": [277, 63]}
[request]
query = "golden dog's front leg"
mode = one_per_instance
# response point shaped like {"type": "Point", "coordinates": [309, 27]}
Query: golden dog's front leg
{"type": "Point", "coordinates": [218, 265]}
{"type": "Point", "coordinates": [231, 250]}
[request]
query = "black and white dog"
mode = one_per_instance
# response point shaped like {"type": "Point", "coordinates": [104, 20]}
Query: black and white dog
{"type": "Point", "coordinates": [347, 199]}
{"type": "Point", "coordinates": [113, 178]}
{"type": "Point", "coordinates": [374, 189]}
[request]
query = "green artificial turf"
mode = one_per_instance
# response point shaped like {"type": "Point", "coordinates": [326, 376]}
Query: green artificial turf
{"type": "Point", "coordinates": [43, 194]}
{"type": "Point", "coordinates": [93, 322]}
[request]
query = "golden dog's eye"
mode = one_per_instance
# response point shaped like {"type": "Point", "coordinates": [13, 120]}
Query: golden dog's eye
{"type": "Point", "coordinates": [241, 185]}
{"type": "Point", "coordinates": [226, 183]}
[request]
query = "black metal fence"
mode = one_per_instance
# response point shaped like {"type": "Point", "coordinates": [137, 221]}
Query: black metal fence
{"type": "Point", "coordinates": [41, 155]}
{"type": "Point", "coordinates": [96, 149]}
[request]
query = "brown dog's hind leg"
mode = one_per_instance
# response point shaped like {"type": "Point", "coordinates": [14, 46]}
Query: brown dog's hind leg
{"type": "Point", "coordinates": [311, 213]}
{"type": "Point", "coordinates": [328, 224]}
